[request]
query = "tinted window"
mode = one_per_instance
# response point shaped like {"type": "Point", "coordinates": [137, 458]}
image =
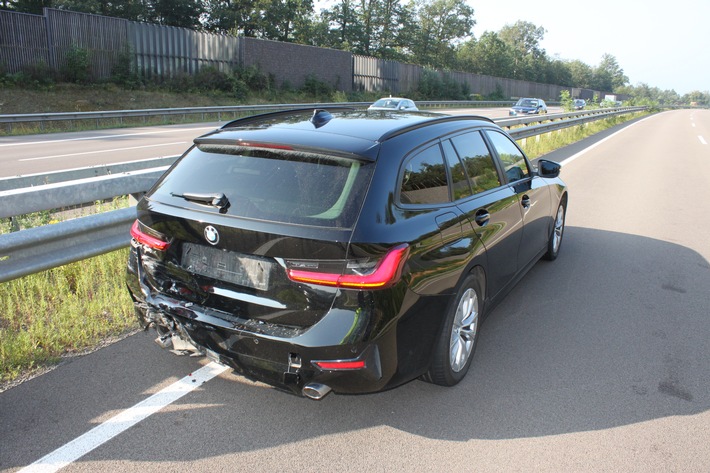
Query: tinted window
{"type": "Point", "coordinates": [279, 186]}
{"type": "Point", "coordinates": [477, 161]}
{"type": "Point", "coordinates": [424, 179]}
{"type": "Point", "coordinates": [513, 160]}
{"type": "Point", "coordinates": [459, 179]}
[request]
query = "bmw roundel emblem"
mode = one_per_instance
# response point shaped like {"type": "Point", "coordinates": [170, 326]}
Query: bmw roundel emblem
{"type": "Point", "coordinates": [211, 235]}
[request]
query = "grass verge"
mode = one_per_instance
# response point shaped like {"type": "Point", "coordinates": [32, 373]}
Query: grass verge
{"type": "Point", "coordinates": [537, 146]}
{"type": "Point", "coordinates": [63, 311]}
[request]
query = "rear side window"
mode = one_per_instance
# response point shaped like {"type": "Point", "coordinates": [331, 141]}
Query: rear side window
{"type": "Point", "coordinates": [424, 179]}
{"type": "Point", "coordinates": [514, 163]}
{"type": "Point", "coordinates": [477, 161]}
{"type": "Point", "coordinates": [291, 187]}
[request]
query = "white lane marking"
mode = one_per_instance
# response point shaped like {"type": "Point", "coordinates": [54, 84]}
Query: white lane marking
{"type": "Point", "coordinates": [102, 151]}
{"type": "Point", "coordinates": [102, 433]}
{"type": "Point", "coordinates": [702, 140]}
{"type": "Point", "coordinates": [103, 137]}
{"type": "Point", "coordinates": [575, 156]}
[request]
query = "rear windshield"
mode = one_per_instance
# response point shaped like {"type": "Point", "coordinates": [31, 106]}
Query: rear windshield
{"type": "Point", "coordinates": [281, 186]}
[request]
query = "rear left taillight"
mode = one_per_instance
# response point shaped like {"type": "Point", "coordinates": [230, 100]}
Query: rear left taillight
{"type": "Point", "coordinates": [149, 237]}
{"type": "Point", "coordinates": [385, 273]}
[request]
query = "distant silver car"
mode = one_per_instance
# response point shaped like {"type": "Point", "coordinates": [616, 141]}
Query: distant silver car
{"type": "Point", "coordinates": [528, 106]}
{"type": "Point", "coordinates": [394, 103]}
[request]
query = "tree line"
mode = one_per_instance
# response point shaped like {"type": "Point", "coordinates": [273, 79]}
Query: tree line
{"type": "Point", "coordinates": [430, 33]}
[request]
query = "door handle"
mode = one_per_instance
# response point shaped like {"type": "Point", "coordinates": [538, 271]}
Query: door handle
{"type": "Point", "coordinates": [482, 218]}
{"type": "Point", "coordinates": [525, 202]}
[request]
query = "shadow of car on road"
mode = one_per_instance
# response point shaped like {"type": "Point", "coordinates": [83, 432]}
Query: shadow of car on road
{"type": "Point", "coordinates": [615, 332]}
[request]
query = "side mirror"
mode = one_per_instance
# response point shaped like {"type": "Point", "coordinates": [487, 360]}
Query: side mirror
{"type": "Point", "coordinates": [548, 169]}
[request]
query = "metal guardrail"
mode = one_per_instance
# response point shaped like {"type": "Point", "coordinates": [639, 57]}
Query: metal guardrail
{"type": "Point", "coordinates": [11, 119]}
{"type": "Point", "coordinates": [41, 179]}
{"type": "Point", "coordinates": [37, 249]}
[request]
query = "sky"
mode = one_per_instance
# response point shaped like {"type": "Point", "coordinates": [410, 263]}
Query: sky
{"type": "Point", "coordinates": [662, 44]}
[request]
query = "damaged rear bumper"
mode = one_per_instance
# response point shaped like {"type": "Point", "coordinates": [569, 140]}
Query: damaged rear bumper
{"type": "Point", "coordinates": [287, 362]}
{"type": "Point", "coordinates": [341, 352]}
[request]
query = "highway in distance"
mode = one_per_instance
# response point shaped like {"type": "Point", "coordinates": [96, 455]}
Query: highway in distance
{"type": "Point", "coordinates": [23, 155]}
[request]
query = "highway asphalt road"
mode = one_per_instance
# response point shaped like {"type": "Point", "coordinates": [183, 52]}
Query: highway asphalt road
{"type": "Point", "coordinates": [23, 155]}
{"type": "Point", "coordinates": [599, 361]}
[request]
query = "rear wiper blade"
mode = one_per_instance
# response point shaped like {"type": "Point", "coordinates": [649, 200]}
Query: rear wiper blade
{"type": "Point", "coordinates": [218, 200]}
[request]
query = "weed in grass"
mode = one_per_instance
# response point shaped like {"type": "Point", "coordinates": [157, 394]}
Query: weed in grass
{"type": "Point", "coordinates": [67, 309]}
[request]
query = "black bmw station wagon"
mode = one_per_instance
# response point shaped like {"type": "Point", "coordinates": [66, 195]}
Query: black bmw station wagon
{"type": "Point", "coordinates": [337, 249]}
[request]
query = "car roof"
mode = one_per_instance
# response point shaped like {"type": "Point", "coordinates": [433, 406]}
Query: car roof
{"type": "Point", "coordinates": [339, 130]}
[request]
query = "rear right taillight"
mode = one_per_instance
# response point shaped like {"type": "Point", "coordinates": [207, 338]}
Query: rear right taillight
{"type": "Point", "coordinates": [153, 240]}
{"type": "Point", "coordinates": [385, 273]}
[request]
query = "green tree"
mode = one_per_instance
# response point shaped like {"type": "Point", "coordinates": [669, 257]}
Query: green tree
{"type": "Point", "coordinates": [582, 74]}
{"type": "Point", "coordinates": [286, 20]}
{"type": "Point", "coordinates": [441, 25]}
{"type": "Point", "coordinates": [557, 72]}
{"type": "Point", "coordinates": [236, 17]}
{"type": "Point", "coordinates": [383, 26]}
{"type": "Point", "coordinates": [489, 55]}
{"type": "Point", "coordinates": [608, 75]}
{"type": "Point", "coordinates": [394, 30]}
{"type": "Point", "coordinates": [698, 98]}
{"type": "Point", "coordinates": [346, 29]}
{"type": "Point", "coordinates": [30, 6]}
{"type": "Point", "coordinates": [523, 39]}
{"type": "Point", "coordinates": [129, 9]}
{"type": "Point", "coordinates": [182, 13]}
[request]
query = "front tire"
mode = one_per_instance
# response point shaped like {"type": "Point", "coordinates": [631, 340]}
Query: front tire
{"type": "Point", "coordinates": [459, 336]}
{"type": "Point", "coordinates": [558, 230]}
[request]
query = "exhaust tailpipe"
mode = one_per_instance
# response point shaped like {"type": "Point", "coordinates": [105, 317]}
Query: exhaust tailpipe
{"type": "Point", "coordinates": [316, 391]}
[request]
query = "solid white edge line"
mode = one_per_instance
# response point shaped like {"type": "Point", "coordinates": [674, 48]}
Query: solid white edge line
{"type": "Point", "coordinates": [104, 137]}
{"type": "Point", "coordinates": [102, 151]}
{"type": "Point", "coordinates": [702, 140]}
{"type": "Point", "coordinates": [104, 432]}
{"type": "Point", "coordinates": [581, 153]}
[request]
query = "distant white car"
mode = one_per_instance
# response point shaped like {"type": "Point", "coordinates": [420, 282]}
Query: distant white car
{"type": "Point", "coordinates": [394, 103]}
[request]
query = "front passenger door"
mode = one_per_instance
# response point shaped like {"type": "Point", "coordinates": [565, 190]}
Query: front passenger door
{"type": "Point", "coordinates": [533, 195]}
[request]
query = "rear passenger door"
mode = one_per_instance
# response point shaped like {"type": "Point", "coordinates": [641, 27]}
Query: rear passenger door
{"type": "Point", "coordinates": [492, 209]}
{"type": "Point", "coordinates": [441, 248]}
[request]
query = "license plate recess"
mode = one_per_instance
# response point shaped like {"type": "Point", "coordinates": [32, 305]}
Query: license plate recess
{"type": "Point", "coordinates": [236, 268]}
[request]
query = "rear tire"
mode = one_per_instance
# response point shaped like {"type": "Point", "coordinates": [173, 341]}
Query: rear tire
{"type": "Point", "coordinates": [459, 337]}
{"type": "Point", "coordinates": [558, 230]}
